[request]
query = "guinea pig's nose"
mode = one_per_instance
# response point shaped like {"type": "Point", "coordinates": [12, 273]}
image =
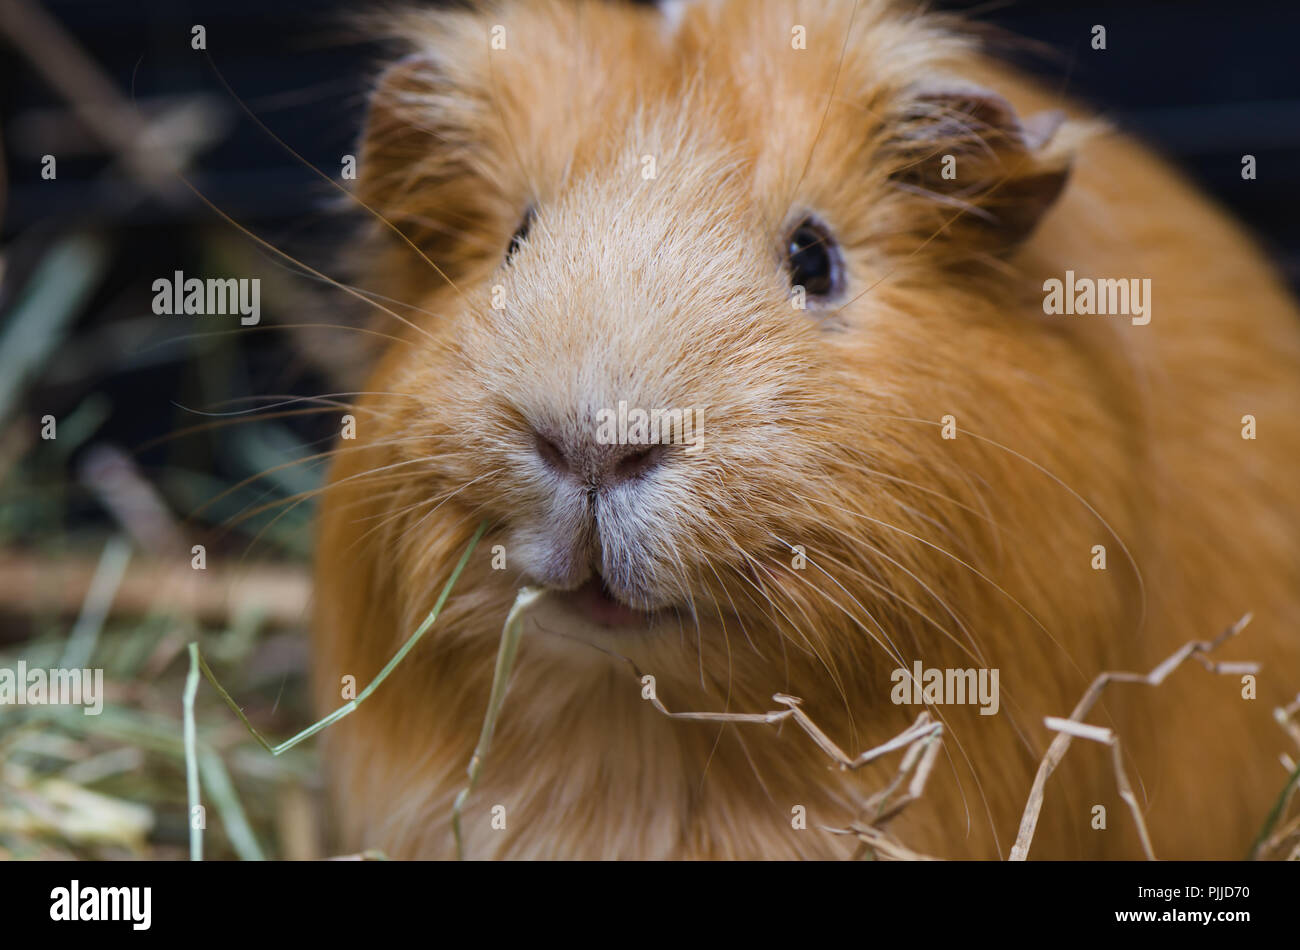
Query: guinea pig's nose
{"type": "Point", "coordinates": [597, 464]}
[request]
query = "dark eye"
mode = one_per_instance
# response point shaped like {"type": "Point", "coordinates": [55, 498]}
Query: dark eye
{"type": "Point", "coordinates": [813, 259]}
{"type": "Point", "coordinates": [521, 234]}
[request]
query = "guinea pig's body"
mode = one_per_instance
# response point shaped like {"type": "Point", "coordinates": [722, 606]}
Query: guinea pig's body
{"type": "Point", "coordinates": [663, 161]}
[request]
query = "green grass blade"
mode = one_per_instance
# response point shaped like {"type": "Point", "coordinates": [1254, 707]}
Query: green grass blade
{"type": "Point", "coordinates": [510, 633]}
{"type": "Point", "coordinates": [214, 772]}
{"type": "Point", "coordinates": [191, 754]}
{"type": "Point", "coordinates": [349, 706]}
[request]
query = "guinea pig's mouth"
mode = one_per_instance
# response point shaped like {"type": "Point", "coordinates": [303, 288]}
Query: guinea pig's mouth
{"type": "Point", "coordinates": [595, 602]}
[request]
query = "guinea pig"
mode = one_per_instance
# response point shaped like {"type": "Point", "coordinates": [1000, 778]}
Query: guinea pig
{"type": "Point", "coordinates": [879, 274]}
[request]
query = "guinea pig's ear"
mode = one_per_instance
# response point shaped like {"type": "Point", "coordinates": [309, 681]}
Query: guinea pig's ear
{"type": "Point", "coordinates": [396, 139]}
{"type": "Point", "coordinates": [989, 176]}
{"type": "Point", "coordinates": [418, 166]}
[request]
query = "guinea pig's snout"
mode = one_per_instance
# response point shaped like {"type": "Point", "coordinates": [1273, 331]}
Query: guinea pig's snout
{"type": "Point", "coordinates": [594, 464]}
{"type": "Point", "coordinates": [596, 523]}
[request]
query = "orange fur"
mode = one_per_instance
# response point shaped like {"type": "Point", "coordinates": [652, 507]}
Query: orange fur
{"type": "Point", "coordinates": [821, 430]}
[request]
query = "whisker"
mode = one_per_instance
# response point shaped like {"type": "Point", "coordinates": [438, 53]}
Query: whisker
{"type": "Point", "coordinates": [830, 666]}
{"type": "Point", "coordinates": [262, 328]}
{"type": "Point", "coordinates": [975, 571]}
{"type": "Point", "coordinates": [830, 99]}
{"type": "Point", "coordinates": [440, 502]}
{"type": "Point", "coordinates": [1137, 572]}
{"type": "Point", "coordinates": [327, 178]}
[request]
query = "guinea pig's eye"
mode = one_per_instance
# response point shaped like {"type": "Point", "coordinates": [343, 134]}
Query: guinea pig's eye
{"type": "Point", "coordinates": [813, 259]}
{"type": "Point", "coordinates": [520, 235]}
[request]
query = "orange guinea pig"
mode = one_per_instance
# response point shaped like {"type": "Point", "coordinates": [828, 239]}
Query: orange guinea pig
{"type": "Point", "coordinates": [966, 382]}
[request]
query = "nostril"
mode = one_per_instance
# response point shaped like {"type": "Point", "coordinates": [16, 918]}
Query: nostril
{"type": "Point", "coordinates": [593, 463]}
{"type": "Point", "coordinates": [638, 462]}
{"type": "Point", "coordinates": [551, 454]}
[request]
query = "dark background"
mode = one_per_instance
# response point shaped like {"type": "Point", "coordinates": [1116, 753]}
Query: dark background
{"type": "Point", "coordinates": [1204, 82]}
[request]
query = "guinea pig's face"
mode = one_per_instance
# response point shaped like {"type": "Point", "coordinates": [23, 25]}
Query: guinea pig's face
{"type": "Point", "coordinates": [664, 285]}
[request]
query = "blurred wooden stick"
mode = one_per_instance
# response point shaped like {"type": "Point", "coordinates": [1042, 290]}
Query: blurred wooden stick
{"type": "Point", "coordinates": [32, 583]}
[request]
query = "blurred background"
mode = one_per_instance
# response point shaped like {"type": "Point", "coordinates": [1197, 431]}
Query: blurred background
{"type": "Point", "coordinates": [178, 432]}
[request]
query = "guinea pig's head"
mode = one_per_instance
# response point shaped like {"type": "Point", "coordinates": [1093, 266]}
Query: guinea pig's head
{"type": "Point", "coordinates": [691, 292]}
